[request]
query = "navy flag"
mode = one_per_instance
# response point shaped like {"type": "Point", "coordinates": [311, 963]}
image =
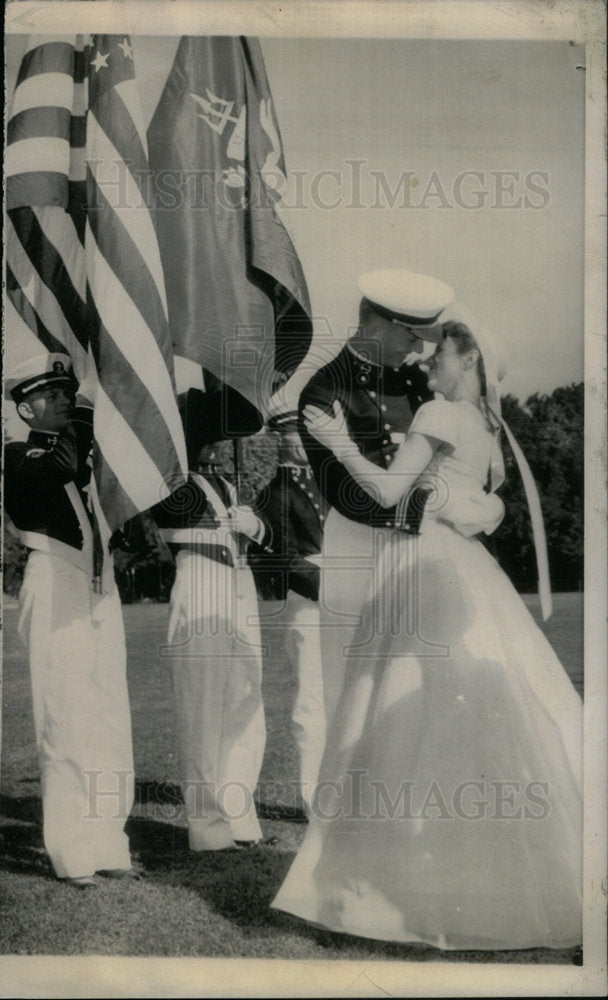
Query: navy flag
{"type": "Point", "coordinates": [238, 302]}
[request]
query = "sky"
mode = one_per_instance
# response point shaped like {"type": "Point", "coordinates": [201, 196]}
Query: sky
{"type": "Point", "coordinates": [430, 112]}
{"type": "Point", "coordinates": [461, 159]}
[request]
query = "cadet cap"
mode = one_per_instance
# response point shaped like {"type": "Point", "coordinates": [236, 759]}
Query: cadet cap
{"type": "Point", "coordinates": [38, 373]}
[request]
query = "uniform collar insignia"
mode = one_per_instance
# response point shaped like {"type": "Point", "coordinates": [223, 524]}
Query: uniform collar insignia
{"type": "Point", "coordinates": [297, 471]}
{"type": "Point", "coordinates": [44, 439]}
{"type": "Point", "coordinates": [360, 361]}
{"type": "Point", "coordinates": [368, 369]}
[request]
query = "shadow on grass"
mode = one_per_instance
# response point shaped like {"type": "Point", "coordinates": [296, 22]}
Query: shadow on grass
{"type": "Point", "coordinates": [22, 850]}
{"type": "Point", "coordinates": [237, 886]}
{"type": "Point", "coordinates": [240, 887]}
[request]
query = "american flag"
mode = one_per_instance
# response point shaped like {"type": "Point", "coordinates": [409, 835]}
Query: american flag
{"type": "Point", "coordinates": [83, 266]}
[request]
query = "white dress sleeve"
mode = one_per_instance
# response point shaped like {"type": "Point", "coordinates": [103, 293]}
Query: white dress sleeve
{"type": "Point", "coordinates": [437, 419]}
{"type": "Point", "coordinates": [467, 506]}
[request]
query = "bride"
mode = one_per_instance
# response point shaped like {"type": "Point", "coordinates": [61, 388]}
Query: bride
{"type": "Point", "coordinates": [449, 806]}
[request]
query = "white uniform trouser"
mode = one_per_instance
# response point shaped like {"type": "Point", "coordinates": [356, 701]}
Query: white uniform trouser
{"type": "Point", "coordinates": [298, 620]}
{"type": "Point", "coordinates": [215, 653]}
{"type": "Point", "coordinates": [349, 567]}
{"type": "Point", "coordinates": [81, 713]}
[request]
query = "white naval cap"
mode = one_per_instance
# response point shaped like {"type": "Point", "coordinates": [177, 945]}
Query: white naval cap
{"type": "Point", "coordinates": [405, 297]}
{"type": "Point", "coordinates": [37, 373]}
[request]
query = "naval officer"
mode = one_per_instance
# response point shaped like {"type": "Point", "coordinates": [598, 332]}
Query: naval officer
{"type": "Point", "coordinates": [379, 389]}
{"type": "Point", "coordinates": [71, 624]}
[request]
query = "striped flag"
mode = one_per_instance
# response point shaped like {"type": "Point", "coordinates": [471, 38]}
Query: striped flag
{"type": "Point", "coordinates": [45, 267]}
{"type": "Point", "coordinates": [83, 267]}
{"type": "Point", "coordinates": [137, 424]}
{"type": "Point", "coordinates": [238, 302]}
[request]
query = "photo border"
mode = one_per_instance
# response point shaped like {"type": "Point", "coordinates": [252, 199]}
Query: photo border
{"type": "Point", "coordinates": [582, 23]}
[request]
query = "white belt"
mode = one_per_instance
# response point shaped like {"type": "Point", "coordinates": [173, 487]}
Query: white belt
{"type": "Point", "coordinates": [44, 543]}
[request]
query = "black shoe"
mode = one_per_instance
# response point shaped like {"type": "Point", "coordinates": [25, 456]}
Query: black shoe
{"type": "Point", "coordinates": [122, 874]}
{"type": "Point", "coordinates": [263, 842]}
{"type": "Point", "coordinates": [229, 849]}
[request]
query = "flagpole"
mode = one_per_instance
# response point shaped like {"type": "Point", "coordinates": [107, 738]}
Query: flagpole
{"type": "Point", "coordinates": [237, 462]}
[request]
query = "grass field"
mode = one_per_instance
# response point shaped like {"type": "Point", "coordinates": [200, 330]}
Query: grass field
{"type": "Point", "coordinates": [189, 904]}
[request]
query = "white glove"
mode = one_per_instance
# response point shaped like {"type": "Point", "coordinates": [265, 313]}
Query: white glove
{"type": "Point", "coordinates": [331, 430]}
{"type": "Point", "coordinates": [246, 521]}
{"type": "Point", "coordinates": [478, 511]}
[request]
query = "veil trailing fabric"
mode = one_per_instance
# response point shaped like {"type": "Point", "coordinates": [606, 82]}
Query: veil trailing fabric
{"type": "Point", "coordinates": [495, 370]}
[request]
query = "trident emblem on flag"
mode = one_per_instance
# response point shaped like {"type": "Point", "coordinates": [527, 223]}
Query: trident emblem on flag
{"type": "Point", "coordinates": [217, 116]}
{"type": "Point", "coordinates": [216, 107]}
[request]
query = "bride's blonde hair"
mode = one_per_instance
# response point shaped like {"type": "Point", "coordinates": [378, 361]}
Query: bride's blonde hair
{"type": "Point", "coordinates": [465, 341]}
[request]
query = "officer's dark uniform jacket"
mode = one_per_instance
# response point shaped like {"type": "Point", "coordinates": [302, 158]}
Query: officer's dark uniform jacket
{"type": "Point", "coordinates": [294, 510]}
{"type": "Point", "coordinates": [377, 402]}
{"type": "Point", "coordinates": [188, 518]}
{"type": "Point", "coordinates": [44, 490]}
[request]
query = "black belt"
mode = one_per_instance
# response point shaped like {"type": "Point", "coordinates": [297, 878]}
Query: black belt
{"type": "Point", "coordinates": [219, 553]}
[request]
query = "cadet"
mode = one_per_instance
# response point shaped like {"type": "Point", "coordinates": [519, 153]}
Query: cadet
{"type": "Point", "coordinates": [293, 507]}
{"type": "Point", "coordinates": [73, 630]}
{"type": "Point", "coordinates": [214, 645]}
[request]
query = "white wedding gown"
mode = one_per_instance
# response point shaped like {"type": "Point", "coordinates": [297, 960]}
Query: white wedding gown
{"type": "Point", "coordinates": [449, 808]}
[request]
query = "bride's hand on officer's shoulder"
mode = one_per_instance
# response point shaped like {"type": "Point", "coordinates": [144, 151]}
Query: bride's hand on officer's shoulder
{"type": "Point", "coordinates": [325, 426]}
